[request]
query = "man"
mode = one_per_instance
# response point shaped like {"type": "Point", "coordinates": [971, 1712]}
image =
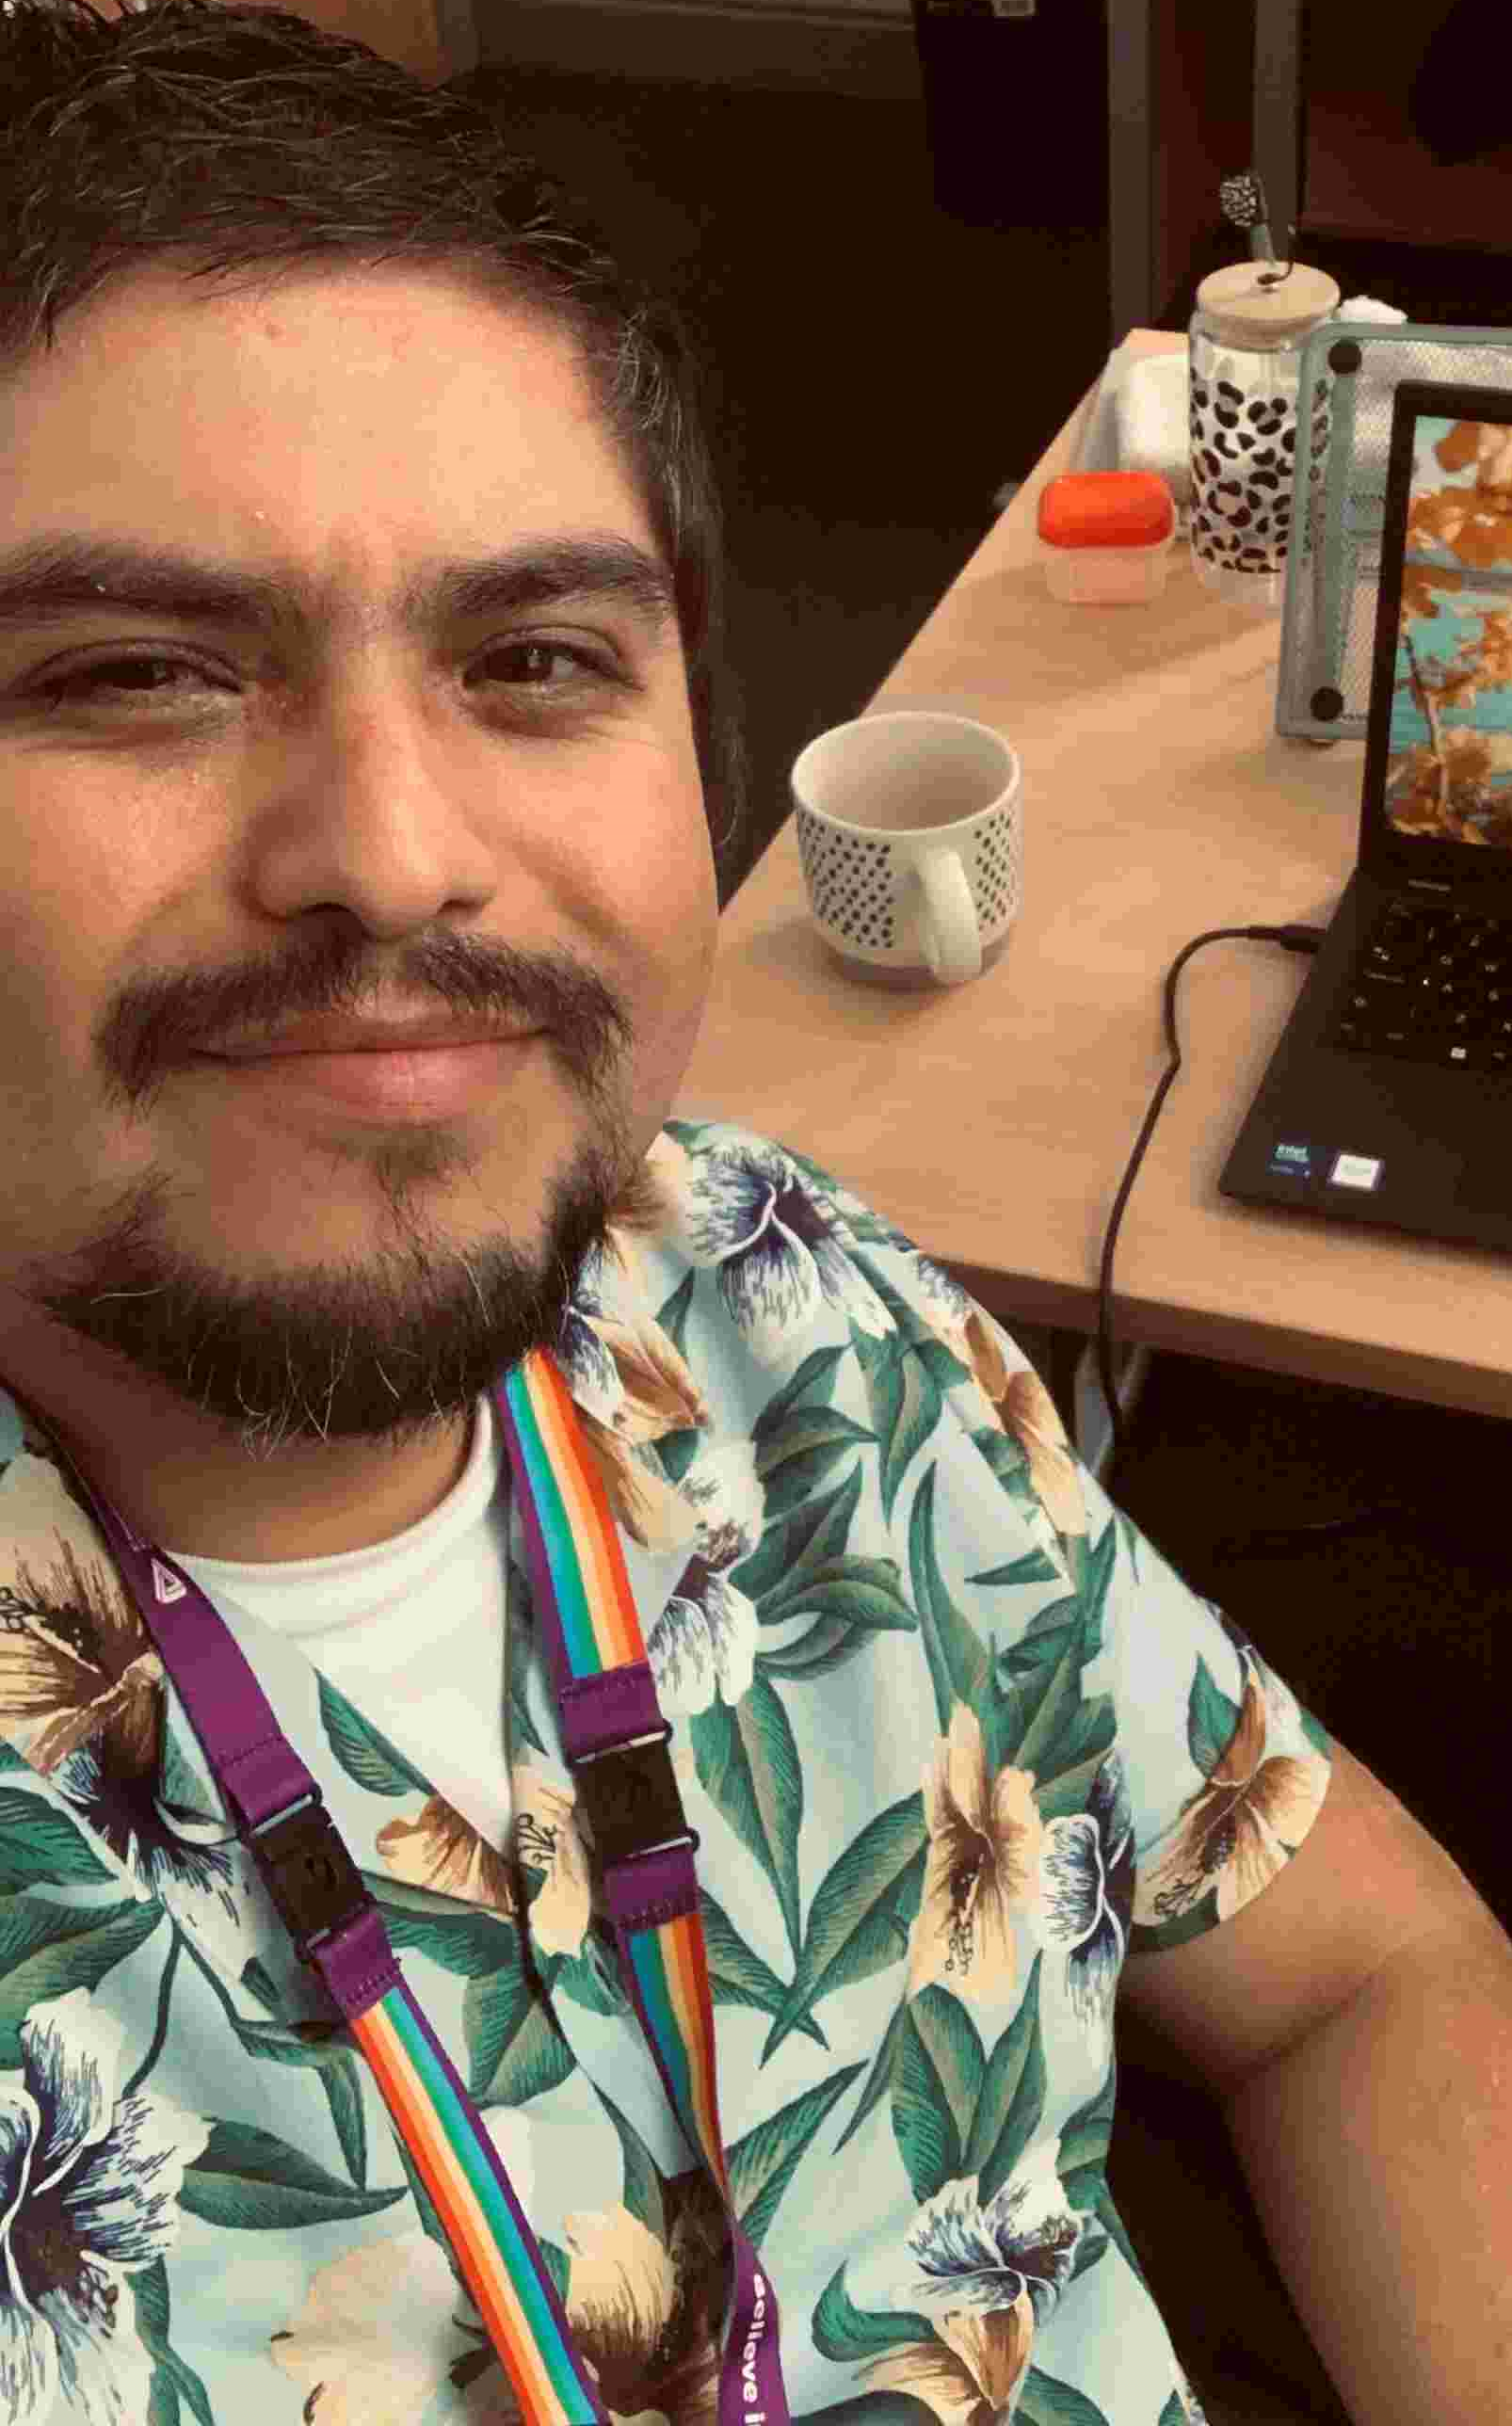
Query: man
{"type": "Point", "coordinates": [354, 947]}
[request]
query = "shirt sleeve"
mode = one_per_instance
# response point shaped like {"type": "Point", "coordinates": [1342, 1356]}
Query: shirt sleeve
{"type": "Point", "coordinates": [1226, 1771]}
{"type": "Point", "coordinates": [1219, 1769]}
{"type": "Point", "coordinates": [1223, 1769]}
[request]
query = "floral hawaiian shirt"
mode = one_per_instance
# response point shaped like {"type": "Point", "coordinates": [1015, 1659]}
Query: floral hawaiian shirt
{"type": "Point", "coordinates": [955, 1738]}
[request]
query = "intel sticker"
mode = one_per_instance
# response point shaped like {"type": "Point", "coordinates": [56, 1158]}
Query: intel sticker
{"type": "Point", "coordinates": [1291, 1159]}
{"type": "Point", "coordinates": [1355, 1170]}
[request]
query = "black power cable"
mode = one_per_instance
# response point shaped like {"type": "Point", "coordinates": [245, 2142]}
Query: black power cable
{"type": "Point", "coordinates": [1259, 1545]}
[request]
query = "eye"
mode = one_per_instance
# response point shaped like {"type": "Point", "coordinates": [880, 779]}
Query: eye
{"type": "Point", "coordinates": [590, 665]}
{"type": "Point", "coordinates": [91, 680]}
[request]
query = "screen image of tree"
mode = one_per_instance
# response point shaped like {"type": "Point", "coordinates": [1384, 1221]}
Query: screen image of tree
{"type": "Point", "coordinates": [1449, 762]}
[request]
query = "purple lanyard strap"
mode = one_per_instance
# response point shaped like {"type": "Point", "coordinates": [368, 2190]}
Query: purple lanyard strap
{"type": "Point", "coordinates": [615, 1740]}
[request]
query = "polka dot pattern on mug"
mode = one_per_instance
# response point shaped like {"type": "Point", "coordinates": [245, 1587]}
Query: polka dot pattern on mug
{"type": "Point", "coordinates": [996, 887]}
{"type": "Point", "coordinates": [853, 881]}
{"type": "Point", "coordinates": [850, 882]}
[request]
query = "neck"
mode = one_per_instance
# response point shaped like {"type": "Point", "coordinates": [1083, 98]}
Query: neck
{"type": "Point", "coordinates": [314, 1502]}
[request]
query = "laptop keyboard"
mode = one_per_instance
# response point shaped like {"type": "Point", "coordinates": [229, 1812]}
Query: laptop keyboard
{"type": "Point", "coordinates": [1431, 985]}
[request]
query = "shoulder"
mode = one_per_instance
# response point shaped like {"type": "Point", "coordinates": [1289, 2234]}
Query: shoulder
{"type": "Point", "coordinates": [778, 1298]}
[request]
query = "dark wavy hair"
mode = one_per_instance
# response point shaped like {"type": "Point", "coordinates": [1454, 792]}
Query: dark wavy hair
{"type": "Point", "coordinates": [234, 139]}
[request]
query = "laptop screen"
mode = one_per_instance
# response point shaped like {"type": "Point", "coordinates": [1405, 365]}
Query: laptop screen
{"type": "Point", "coordinates": [1438, 801]}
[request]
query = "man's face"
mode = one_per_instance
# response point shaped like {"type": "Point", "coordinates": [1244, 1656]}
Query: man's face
{"type": "Point", "coordinates": [338, 813]}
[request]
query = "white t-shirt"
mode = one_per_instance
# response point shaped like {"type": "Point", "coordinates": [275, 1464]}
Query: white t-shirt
{"type": "Point", "coordinates": [412, 1630]}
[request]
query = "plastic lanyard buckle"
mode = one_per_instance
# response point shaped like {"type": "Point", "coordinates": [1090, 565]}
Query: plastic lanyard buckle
{"type": "Point", "coordinates": [315, 1884]}
{"type": "Point", "coordinates": [629, 1794]}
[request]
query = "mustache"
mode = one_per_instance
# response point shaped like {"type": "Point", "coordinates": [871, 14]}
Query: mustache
{"type": "Point", "coordinates": [166, 1018]}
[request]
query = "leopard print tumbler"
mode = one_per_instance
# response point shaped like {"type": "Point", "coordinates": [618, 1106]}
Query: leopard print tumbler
{"type": "Point", "coordinates": [1246, 362]}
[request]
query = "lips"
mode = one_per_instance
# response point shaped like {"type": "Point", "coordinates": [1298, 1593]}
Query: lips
{"type": "Point", "coordinates": [326, 1037]}
{"type": "Point", "coordinates": [429, 1083]}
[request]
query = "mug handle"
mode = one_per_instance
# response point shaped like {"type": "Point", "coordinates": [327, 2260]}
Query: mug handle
{"type": "Point", "coordinates": [947, 918]}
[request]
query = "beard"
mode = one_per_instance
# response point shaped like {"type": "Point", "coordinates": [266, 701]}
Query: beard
{"type": "Point", "coordinates": [395, 1340]}
{"type": "Point", "coordinates": [393, 1345]}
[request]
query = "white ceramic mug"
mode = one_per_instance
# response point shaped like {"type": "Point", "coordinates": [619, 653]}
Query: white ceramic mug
{"type": "Point", "coordinates": [911, 832]}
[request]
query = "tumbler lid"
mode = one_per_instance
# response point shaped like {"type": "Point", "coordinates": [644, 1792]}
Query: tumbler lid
{"type": "Point", "coordinates": [1246, 310]}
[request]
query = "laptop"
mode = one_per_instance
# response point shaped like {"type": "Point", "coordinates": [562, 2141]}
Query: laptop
{"type": "Point", "coordinates": [1388, 1098]}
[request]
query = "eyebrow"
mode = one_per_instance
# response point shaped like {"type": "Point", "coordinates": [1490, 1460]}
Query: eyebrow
{"type": "Point", "coordinates": [60, 574]}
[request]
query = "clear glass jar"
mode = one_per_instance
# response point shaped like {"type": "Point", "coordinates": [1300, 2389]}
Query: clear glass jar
{"type": "Point", "coordinates": [1245, 341]}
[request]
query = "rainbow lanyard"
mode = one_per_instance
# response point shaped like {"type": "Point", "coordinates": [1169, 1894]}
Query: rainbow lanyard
{"type": "Point", "coordinates": [615, 1740]}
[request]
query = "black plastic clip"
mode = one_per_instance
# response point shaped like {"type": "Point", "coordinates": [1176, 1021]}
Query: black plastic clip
{"type": "Point", "coordinates": [315, 1884]}
{"type": "Point", "coordinates": [630, 1795]}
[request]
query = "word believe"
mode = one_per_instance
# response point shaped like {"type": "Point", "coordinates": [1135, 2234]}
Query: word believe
{"type": "Point", "coordinates": [754, 2417]}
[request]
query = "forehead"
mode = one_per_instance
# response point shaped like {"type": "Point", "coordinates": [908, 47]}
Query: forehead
{"type": "Point", "coordinates": [162, 329]}
{"type": "Point", "coordinates": [340, 416]}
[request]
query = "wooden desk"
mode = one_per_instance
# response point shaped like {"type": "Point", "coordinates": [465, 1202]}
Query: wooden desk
{"type": "Point", "coordinates": [993, 1122]}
